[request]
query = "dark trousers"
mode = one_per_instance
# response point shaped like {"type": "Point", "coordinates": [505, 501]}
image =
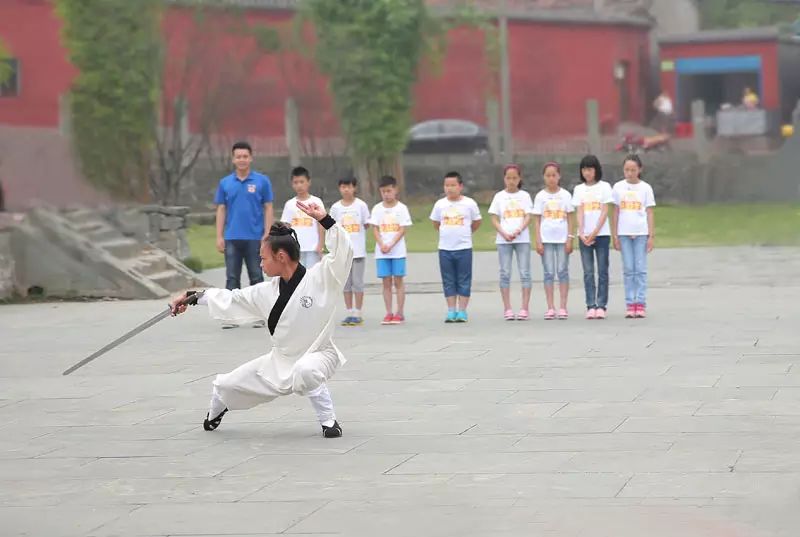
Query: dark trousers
{"type": "Point", "coordinates": [237, 251]}
{"type": "Point", "coordinates": [596, 297]}
{"type": "Point", "coordinates": [456, 269]}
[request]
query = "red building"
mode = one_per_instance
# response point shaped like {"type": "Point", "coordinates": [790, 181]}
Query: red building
{"type": "Point", "coordinates": [558, 60]}
{"type": "Point", "coordinates": [717, 66]}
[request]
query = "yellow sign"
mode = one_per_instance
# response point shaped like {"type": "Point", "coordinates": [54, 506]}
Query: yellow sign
{"type": "Point", "coordinates": [668, 65]}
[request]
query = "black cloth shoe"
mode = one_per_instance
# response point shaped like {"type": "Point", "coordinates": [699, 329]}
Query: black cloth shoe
{"type": "Point", "coordinates": [334, 431]}
{"type": "Point", "coordinates": [210, 425]}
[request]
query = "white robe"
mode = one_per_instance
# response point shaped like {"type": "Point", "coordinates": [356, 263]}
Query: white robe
{"type": "Point", "coordinates": [303, 355]}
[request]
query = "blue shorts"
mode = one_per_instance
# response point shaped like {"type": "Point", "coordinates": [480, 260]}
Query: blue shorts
{"type": "Point", "coordinates": [391, 267]}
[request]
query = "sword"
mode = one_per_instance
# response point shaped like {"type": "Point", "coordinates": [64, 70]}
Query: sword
{"type": "Point", "coordinates": [191, 299]}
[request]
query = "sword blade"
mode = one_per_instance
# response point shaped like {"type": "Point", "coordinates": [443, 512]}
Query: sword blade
{"type": "Point", "coordinates": [141, 328]}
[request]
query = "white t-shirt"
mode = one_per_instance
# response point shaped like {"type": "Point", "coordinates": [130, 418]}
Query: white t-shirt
{"type": "Point", "coordinates": [389, 221]}
{"type": "Point", "coordinates": [633, 199]}
{"type": "Point", "coordinates": [554, 209]}
{"type": "Point", "coordinates": [455, 222]}
{"type": "Point", "coordinates": [307, 228]}
{"type": "Point", "coordinates": [592, 198]}
{"type": "Point", "coordinates": [511, 208]}
{"type": "Point", "coordinates": [354, 219]}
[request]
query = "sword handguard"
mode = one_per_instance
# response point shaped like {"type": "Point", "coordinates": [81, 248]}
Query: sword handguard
{"type": "Point", "coordinates": [192, 297]}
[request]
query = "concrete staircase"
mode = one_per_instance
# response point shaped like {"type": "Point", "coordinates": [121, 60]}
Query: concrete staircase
{"type": "Point", "coordinates": [91, 257]}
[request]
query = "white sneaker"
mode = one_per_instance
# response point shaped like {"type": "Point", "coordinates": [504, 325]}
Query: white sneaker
{"type": "Point", "coordinates": [259, 324]}
{"type": "Point", "coordinates": [227, 326]}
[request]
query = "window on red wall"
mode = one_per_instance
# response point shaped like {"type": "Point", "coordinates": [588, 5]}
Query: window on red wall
{"type": "Point", "coordinates": [9, 72]}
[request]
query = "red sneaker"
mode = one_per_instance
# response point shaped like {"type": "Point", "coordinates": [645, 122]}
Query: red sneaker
{"type": "Point", "coordinates": [398, 319]}
{"type": "Point", "coordinates": [388, 319]}
{"type": "Point", "coordinates": [630, 313]}
{"type": "Point", "coordinates": [640, 311]}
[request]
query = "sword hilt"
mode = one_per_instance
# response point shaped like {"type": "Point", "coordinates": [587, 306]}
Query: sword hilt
{"type": "Point", "coordinates": [190, 299]}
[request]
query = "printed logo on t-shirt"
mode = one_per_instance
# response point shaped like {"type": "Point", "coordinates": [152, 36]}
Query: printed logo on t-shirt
{"type": "Point", "coordinates": [452, 217]}
{"type": "Point", "coordinates": [302, 221]}
{"type": "Point", "coordinates": [350, 224]}
{"type": "Point", "coordinates": [553, 210]}
{"type": "Point", "coordinates": [590, 203]}
{"type": "Point", "coordinates": [251, 189]}
{"type": "Point", "coordinates": [389, 224]}
{"type": "Point", "coordinates": [630, 202]}
{"type": "Point", "coordinates": [513, 210]}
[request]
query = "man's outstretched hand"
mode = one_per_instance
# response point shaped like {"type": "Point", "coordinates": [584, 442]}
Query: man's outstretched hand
{"type": "Point", "coordinates": [312, 209]}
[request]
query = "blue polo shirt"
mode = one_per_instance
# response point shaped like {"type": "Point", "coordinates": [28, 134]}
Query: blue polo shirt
{"type": "Point", "coordinates": [244, 205]}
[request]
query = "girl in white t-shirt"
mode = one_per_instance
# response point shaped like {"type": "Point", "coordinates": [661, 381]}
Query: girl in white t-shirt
{"type": "Point", "coordinates": [555, 232]}
{"type": "Point", "coordinates": [633, 232]}
{"type": "Point", "coordinates": [511, 215]}
{"type": "Point", "coordinates": [591, 199]}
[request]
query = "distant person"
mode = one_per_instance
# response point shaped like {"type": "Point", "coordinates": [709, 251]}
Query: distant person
{"type": "Point", "coordinates": [633, 232]}
{"type": "Point", "coordinates": [591, 200]}
{"type": "Point", "coordinates": [664, 110]}
{"type": "Point", "coordinates": [750, 99]}
{"type": "Point", "coordinates": [456, 217]}
{"type": "Point", "coordinates": [511, 210]}
{"type": "Point", "coordinates": [552, 208]}
{"type": "Point", "coordinates": [390, 219]}
{"type": "Point", "coordinates": [244, 214]}
{"type": "Point", "coordinates": [353, 215]}
{"type": "Point", "coordinates": [310, 233]}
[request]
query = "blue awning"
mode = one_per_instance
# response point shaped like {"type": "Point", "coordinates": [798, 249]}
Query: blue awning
{"type": "Point", "coordinates": [717, 64]}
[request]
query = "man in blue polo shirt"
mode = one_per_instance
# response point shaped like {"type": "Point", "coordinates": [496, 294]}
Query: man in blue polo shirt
{"type": "Point", "coordinates": [244, 216]}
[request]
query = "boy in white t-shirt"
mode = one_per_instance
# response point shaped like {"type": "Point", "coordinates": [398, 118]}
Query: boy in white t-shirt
{"type": "Point", "coordinates": [456, 217]}
{"type": "Point", "coordinates": [552, 208]}
{"type": "Point", "coordinates": [310, 234]}
{"type": "Point", "coordinates": [633, 232]}
{"type": "Point", "coordinates": [353, 215]}
{"type": "Point", "coordinates": [389, 219]}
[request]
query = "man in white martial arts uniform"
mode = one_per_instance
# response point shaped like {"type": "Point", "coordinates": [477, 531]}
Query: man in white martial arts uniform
{"type": "Point", "coordinates": [299, 306]}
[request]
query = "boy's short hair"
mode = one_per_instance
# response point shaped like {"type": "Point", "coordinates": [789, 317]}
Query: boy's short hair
{"type": "Point", "coordinates": [456, 175]}
{"type": "Point", "coordinates": [241, 145]}
{"type": "Point", "coordinates": [349, 181]}
{"type": "Point", "coordinates": [301, 172]}
{"type": "Point", "coordinates": [387, 180]}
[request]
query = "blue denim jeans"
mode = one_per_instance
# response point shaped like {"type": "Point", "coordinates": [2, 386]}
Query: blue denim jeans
{"type": "Point", "coordinates": [237, 251]}
{"type": "Point", "coordinates": [456, 269]}
{"type": "Point", "coordinates": [505, 253]}
{"type": "Point", "coordinates": [634, 269]}
{"type": "Point", "coordinates": [555, 261]}
{"type": "Point", "coordinates": [596, 295]}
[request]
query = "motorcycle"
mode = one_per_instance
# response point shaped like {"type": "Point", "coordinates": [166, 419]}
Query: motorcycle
{"type": "Point", "coordinates": [635, 144]}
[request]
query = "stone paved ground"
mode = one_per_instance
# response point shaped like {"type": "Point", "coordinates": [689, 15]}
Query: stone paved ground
{"type": "Point", "coordinates": [685, 424]}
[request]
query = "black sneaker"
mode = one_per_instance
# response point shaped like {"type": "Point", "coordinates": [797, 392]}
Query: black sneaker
{"type": "Point", "coordinates": [334, 431]}
{"type": "Point", "coordinates": [210, 425]}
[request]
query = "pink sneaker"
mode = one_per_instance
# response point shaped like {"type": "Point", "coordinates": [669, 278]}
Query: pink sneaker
{"type": "Point", "coordinates": [508, 315]}
{"type": "Point", "coordinates": [563, 315]}
{"type": "Point", "coordinates": [640, 311]}
{"type": "Point", "coordinates": [549, 315]}
{"type": "Point", "coordinates": [630, 313]}
{"type": "Point", "coordinates": [591, 313]}
{"type": "Point", "coordinates": [398, 318]}
{"type": "Point", "coordinates": [600, 313]}
{"type": "Point", "coordinates": [522, 315]}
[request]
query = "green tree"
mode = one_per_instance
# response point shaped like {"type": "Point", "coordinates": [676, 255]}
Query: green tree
{"type": "Point", "coordinates": [745, 13]}
{"type": "Point", "coordinates": [371, 50]}
{"type": "Point", "coordinates": [115, 46]}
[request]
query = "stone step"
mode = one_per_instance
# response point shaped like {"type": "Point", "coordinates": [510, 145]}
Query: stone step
{"type": "Point", "coordinates": [104, 234]}
{"type": "Point", "coordinates": [88, 226]}
{"type": "Point", "coordinates": [149, 264]}
{"type": "Point", "coordinates": [122, 248]}
{"type": "Point", "coordinates": [170, 280]}
{"type": "Point", "coordinates": [82, 216]}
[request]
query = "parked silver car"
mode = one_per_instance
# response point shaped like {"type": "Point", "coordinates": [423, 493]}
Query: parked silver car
{"type": "Point", "coordinates": [447, 136]}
